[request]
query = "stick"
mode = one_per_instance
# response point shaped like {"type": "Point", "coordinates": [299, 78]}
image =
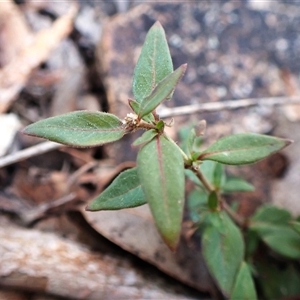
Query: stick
{"type": "Point", "coordinates": [230, 104]}
{"type": "Point", "coordinates": [29, 152]}
{"type": "Point", "coordinates": [164, 113]}
{"type": "Point", "coordinates": [28, 216]}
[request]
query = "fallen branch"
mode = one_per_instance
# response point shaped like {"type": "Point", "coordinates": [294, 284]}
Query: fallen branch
{"type": "Point", "coordinates": [30, 215]}
{"type": "Point", "coordinates": [36, 261]}
{"type": "Point", "coordinates": [29, 152]}
{"type": "Point", "coordinates": [226, 105]}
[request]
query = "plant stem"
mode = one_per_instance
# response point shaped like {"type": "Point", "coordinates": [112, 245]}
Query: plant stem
{"type": "Point", "coordinates": [144, 125]}
{"type": "Point", "coordinates": [203, 179]}
{"type": "Point", "coordinates": [239, 220]}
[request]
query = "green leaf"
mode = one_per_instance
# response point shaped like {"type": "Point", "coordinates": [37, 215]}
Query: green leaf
{"type": "Point", "coordinates": [213, 202]}
{"type": "Point", "coordinates": [237, 185]}
{"type": "Point", "coordinates": [160, 125]}
{"type": "Point", "coordinates": [191, 140]}
{"type": "Point", "coordinates": [79, 128]}
{"type": "Point", "coordinates": [272, 225]}
{"type": "Point", "coordinates": [216, 220]}
{"type": "Point", "coordinates": [197, 198]}
{"type": "Point", "coordinates": [271, 214]}
{"type": "Point", "coordinates": [244, 288]}
{"type": "Point", "coordinates": [197, 204]}
{"type": "Point", "coordinates": [161, 173]}
{"type": "Point", "coordinates": [252, 242]}
{"type": "Point", "coordinates": [208, 168]}
{"type": "Point", "coordinates": [154, 63]}
{"type": "Point", "coordinates": [223, 250]}
{"type": "Point", "coordinates": [184, 136]}
{"type": "Point", "coordinates": [145, 138]}
{"type": "Point", "coordinates": [135, 106]}
{"type": "Point", "coordinates": [161, 92]}
{"type": "Point", "coordinates": [283, 240]}
{"type": "Point", "coordinates": [218, 176]}
{"type": "Point", "coordinates": [124, 192]}
{"type": "Point", "coordinates": [296, 226]}
{"type": "Point", "coordinates": [277, 282]}
{"type": "Point", "coordinates": [244, 148]}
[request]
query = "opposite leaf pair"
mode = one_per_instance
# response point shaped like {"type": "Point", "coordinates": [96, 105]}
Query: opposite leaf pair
{"type": "Point", "coordinates": [157, 180]}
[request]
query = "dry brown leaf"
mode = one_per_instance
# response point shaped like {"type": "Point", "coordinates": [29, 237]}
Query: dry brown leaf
{"type": "Point", "coordinates": [134, 231]}
{"type": "Point", "coordinates": [39, 186]}
{"type": "Point", "coordinates": [14, 32]}
{"type": "Point", "coordinates": [14, 76]}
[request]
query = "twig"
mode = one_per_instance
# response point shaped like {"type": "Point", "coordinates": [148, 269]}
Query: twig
{"type": "Point", "coordinates": [226, 105]}
{"type": "Point", "coordinates": [75, 175]}
{"type": "Point", "coordinates": [164, 113]}
{"type": "Point", "coordinates": [43, 262]}
{"type": "Point", "coordinates": [29, 152]}
{"type": "Point", "coordinates": [28, 216]}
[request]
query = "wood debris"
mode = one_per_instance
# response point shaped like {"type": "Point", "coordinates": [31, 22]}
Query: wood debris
{"type": "Point", "coordinates": [14, 75]}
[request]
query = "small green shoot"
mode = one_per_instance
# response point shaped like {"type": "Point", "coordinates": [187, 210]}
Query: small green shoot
{"type": "Point", "coordinates": [162, 167]}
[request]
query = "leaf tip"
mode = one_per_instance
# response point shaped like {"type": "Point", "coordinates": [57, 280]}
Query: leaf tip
{"type": "Point", "coordinates": [172, 244]}
{"type": "Point", "coordinates": [157, 24]}
{"type": "Point", "coordinates": [24, 130]}
{"type": "Point", "coordinates": [87, 208]}
{"type": "Point", "coordinates": [286, 143]}
{"type": "Point", "coordinates": [183, 68]}
{"type": "Point", "coordinates": [28, 131]}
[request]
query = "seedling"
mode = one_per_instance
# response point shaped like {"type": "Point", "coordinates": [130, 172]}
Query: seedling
{"type": "Point", "coordinates": [162, 166]}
